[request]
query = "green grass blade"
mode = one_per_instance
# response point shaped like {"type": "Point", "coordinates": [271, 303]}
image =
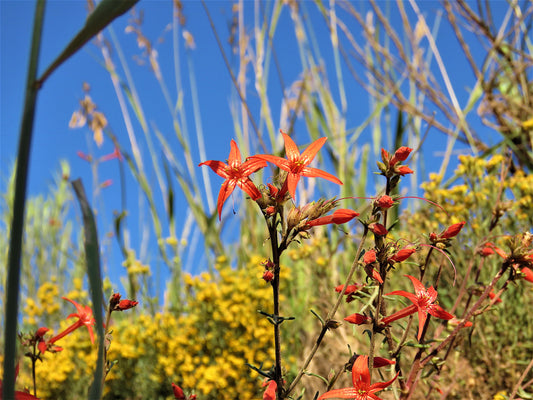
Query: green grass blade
{"type": "Point", "coordinates": [17, 224]}
{"type": "Point", "coordinates": [104, 13]}
{"type": "Point", "coordinates": [92, 255]}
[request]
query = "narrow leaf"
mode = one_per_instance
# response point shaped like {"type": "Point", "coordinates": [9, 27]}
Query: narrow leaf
{"type": "Point", "coordinates": [104, 13]}
{"type": "Point", "coordinates": [92, 255]}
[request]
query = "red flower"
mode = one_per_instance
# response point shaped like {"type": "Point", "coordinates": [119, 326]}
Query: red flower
{"type": "Point", "coordinates": [358, 319]}
{"type": "Point", "coordinates": [270, 392]}
{"type": "Point", "coordinates": [492, 295]}
{"type": "Point", "coordinates": [452, 230]}
{"type": "Point", "coordinates": [85, 317]}
{"type": "Point", "coordinates": [402, 255]}
{"type": "Point", "coordinates": [362, 389]}
{"type": "Point", "coordinates": [423, 301]}
{"type": "Point", "coordinates": [378, 229]}
{"type": "Point", "coordinates": [400, 155]}
{"type": "Point", "coordinates": [296, 164]}
{"type": "Point", "coordinates": [178, 392]}
{"type": "Point", "coordinates": [340, 216]}
{"type": "Point", "coordinates": [179, 395]}
{"type": "Point", "coordinates": [528, 274]}
{"type": "Point", "coordinates": [39, 336]}
{"type": "Point", "coordinates": [404, 170]}
{"type": "Point", "coordinates": [235, 173]}
{"type": "Point", "coordinates": [113, 155]}
{"type": "Point", "coordinates": [369, 257]}
{"type": "Point", "coordinates": [350, 289]}
{"type": "Point", "coordinates": [384, 202]}
{"type": "Point", "coordinates": [268, 275]}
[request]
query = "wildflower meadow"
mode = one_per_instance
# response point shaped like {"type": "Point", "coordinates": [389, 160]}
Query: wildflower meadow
{"type": "Point", "coordinates": [271, 200]}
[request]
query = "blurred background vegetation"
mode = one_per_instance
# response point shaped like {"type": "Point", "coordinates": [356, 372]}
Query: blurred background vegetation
{"type": "Point", "coordinates": [202, 330]}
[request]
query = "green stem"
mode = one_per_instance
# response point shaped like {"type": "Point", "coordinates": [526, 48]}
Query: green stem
{"type": "Point", "coordinates": [19, 203]}
{"type": "Point", "coordinates": [275, 289]}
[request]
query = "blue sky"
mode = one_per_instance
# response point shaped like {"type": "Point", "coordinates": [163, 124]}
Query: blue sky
{"type": "Point", "coordinates": [53, 140]}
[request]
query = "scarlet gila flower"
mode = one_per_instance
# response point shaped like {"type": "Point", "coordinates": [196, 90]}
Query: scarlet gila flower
{"type": "Point", "coordinates": [369, 257]}
{"type": "Point", "coordinates": [179, 395]}
{"type": "Point", "coordinates": [362, 388]}
{"type": "Point", "coordinates": [402, 255]}
{"type": "Point", "coordinates": [452, 230]}
{"type": "Point", "coordinates": [235, 173]}
{"type": "Point", "coordinates": [384, 202]}
{"type": "Point", "coordinates": [378, 229]}
{"type": "Point", "coordinates": [403, 170]}
{"type": "Point", "coordinates": [340, 216]}
{"type": "Point", "coordinates": [296, 164]}
{"type": "Point", "coordinates": [85, 317]}
{"type": "Point", "coordinates": [268, 276]}
{"type": "Point", "coordinates": [270, 392]}
{"type": "Point", "coordinates": [115, 304]}
{"type": "Point", "coordinates": [423, 302]}
{"type": "Point", "coordinates": [400, 155]}
{"type": "Point", "coordinates": [358, 319]}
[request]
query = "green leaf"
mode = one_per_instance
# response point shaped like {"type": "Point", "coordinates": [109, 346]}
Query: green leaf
{"type": "Point", "coordinates": [92, 255]}
{"type": "Point", "coordinates": [104, 13]}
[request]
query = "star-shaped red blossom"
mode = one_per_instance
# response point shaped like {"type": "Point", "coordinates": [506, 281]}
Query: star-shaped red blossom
{"type": "Point", "coordinates": [85, 317]}
{"type": "Point", "coordinates": [423, 301]}
{"type": "Point", "coordinates": [296, 164]}
{"type": "Point", "coordinates": [235, 173]}
{"type": "Point", "coordinates": [362, 388]}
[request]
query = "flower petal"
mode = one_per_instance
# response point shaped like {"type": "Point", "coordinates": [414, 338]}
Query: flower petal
{"type": "Point", "coordinates": [360, 372]}
{"type": "Point", "coordinates": [234, 158]}
{"type": "Point", "coordinates": [248, 186]}
{"type": "Point", "coordinates": [291, 150]}
{"type": "Point", "coordinates": [310, 153]}
{"type": "Point", "coordinates": [219, 167]}
{"type": "Point", "coordinates": [225, 190]}
{"type": "Point", "coordinates": [318, 173]}
{"type": "Point", "coordinates": [346, 393]}
{"type": "Point", "coordinates": [419, 288]}
{"type": "Point", "coordinates": [282, 163]}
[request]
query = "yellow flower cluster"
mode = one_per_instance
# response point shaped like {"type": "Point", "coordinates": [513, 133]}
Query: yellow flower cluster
{"type": "Point", "coordinates": [204, 349]}
{"type": "Point", "coordinates": [134, 266]}
{"type": "Point", "coordinates": [45, 304]}
{"type": "Point", "coordinates": [476, 194]}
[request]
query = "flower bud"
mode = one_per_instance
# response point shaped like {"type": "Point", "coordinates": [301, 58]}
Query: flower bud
{"type": "Point", "coordinates": [452, 231]}
{"type": "Point", "coordinates": [402, 255]}
{"type": "Point", "coordinates": [378, 229]}
{"type": "Point", "coordinates": [358, 319]}
{"type": "Point", "coordinates": [384, 202]}
{"type": "Point", "coordinates": [369, 257]}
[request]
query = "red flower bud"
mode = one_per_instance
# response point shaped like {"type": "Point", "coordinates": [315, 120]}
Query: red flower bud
{"type": "Point", "coordinates": [382, 362]}
{"type": "Point", "coordinates": [528, 274]}
{"type": "Point", "coordinates": [41, 332]}
{"type": "Point", "coordinates": [402, 255]}
{"type": "Point", "coordinates": [452, 231]}
{"type": "Point", "coordinates": [492, 295]}
{"type": "Point", "coordinates": [369, 257]}
{"type": "Point", "coordinates": [384, 202]}
{"type": "Point", "coordinates": [268, 275]}
{"type": "Point", "coordinates": [358, 319]}
{"type": "Point", "coordinates": [178, 392]}
{"type": "Point", "coordinates": [340, 216]}
{"type": "Point", "coordinates": [385, 156]}
{"type": "Point", "coordinates": [378, 229]}
{"type": "Point", "coordinates": [400, 155]}
{"type": "Point", "coordinates": [350, 289]}
{"type": "Point", "coordinates": [125, 305]}
{"type": "Point", "coordinates": [404, 170]}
